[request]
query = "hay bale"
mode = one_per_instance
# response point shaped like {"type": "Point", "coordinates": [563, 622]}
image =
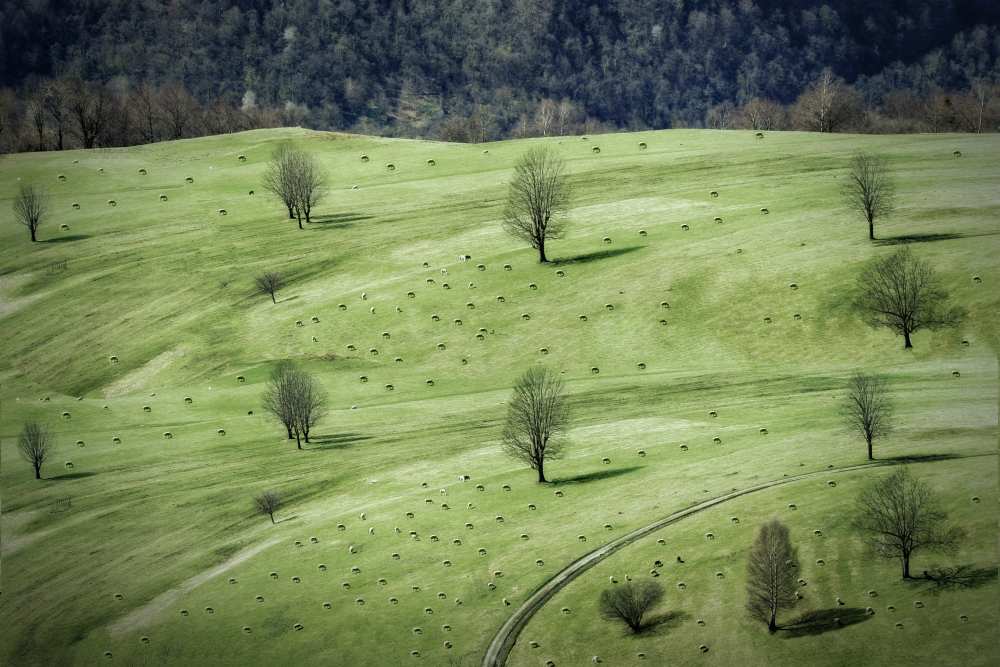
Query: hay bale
{"type": "Point", "coordinates": [764, 211]}
{"type": "Point", "coordinates": [64, 227]}
{"type": "Point", "coordinates": [81, 443]}
{"type": "Point", "coordinates": [76, 206]}
{"type": "Point", "coordinates": [112, 203]}
{"type": "Point", "coordinates": [684, 228]}
{"type": "Point", "coordinates": [957, 153]}
{"type": "Point", "coordinates": [831, 483]}
{"type": "Point", "coordinates": [390, 166]}
{"type": "Point", "coordinates": [507, 267]}
{"type": "Point", "coordinates": [595, 149]}
{"type": "Point", "coordinates": [543, 350]}
{"type": "Point", "coordinates": [188, 180]}
{"type": "Point", "coordinates": [684, 448]}
{"type": "Point", "coordinates": [525, 316]}
{"type": "Point", "coordinates": [717, 440]}
{"type": "Point", "coordinates": [559, 494]}
{"type": "Point", "coordinates": [739, 251]}
{"type": "Point", "coordinates": [441, 346]}
{"type": "Point", "coordinates": [820, 562]}
{"type": "Point", "coordinates": [977, 279]}
{"type": "Point", "coordinates": [61, 177]}
{"type": "Point", "coordinates": [168, 435]}
{"type": "Point", "coordinates": [792, 506]}
{"type": "Point", "coordinates": [681, 585]}
{"type": "Point", "coordinates": [445, 285]}
{"type": "Point", "coordinates": [582, 538]}
{"type": "Point", "coordinates": [221, 431]}
{"type": "Point", "coordinates": [499, 518]}
{"type": "Point", "coordinates": [184, 612]}
{"type": "Point", "coordinates": [607, 240]}
{"type": "Point", "coordinates": [532, 286]}
{"type": "Point", "coordinates": [796, 317]}
{"type": "Point", "coordinates": [69, 464]}
{"type": "Point", "coordinates": [116, 440]}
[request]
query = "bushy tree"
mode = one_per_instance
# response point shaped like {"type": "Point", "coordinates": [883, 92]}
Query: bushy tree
{"type": "Point", "coordinates": [536, 416]}
{"type": "Point", "coordinates": [537, 198]}
{"type": "Point", "coordinates": [631, 601]}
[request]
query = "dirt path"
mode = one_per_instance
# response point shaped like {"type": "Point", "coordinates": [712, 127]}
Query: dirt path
{"type": "Point", "coordinates": [503, 642]}
{"type": "Point", "coordinates": [147, 613]}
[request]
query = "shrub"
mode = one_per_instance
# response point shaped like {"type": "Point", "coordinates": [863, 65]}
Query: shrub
{"type": "Point", "coordinates": [630, 602]}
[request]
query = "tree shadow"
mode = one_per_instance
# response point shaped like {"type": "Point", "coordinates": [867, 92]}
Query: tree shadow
{"type": "Point", "coordinates": [287, 518]}
{"type": "Point", "coordinates": [594, 256]}
{"type": "Point", "coordinates": [70, 475]}
{"type": "Point", "coordinates": [919, 458]}
{"type": "Point", "coordinates": [594, 476]}
{"type": "Point", "coordinates": [920, 238]}
{"type": "Point", "coordinates": [960, 577]}
{"type": "Point", "coordinates": [662, 623]}
{"type": "Point", "coordinates": [66, 239]}
{"type": "Point", "coordinates": [338, 220]}
{"type": "Point", "coordinates": [823, 620]}
{"type": "Point", "coordinates": [336, 440]}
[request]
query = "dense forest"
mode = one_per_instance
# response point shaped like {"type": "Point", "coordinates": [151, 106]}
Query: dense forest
{"type": "Point", "coordinates": [480, 69]}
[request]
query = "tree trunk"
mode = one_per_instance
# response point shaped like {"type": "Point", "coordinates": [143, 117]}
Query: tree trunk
{"type": "Point", "coordinates": [541, 473]}
{"type": "Point", "coordinates": [906, 566]}
{"type": "Point", "coordinates": [773, 625]}
{"type": "Point", "coordinates": [907, 345]}
{"type": "Point", "coordinates": [291, 213]}
{"type": "Point", "coordinates": [38, 472]}
{"type": "Point", "coordinates": [871, 230]}
{"type": "Point", "coordinates": [33, 237]}
{"type": "Point", "coordinates": [272, 516]}
{"type": "Point", "coordinates": [870, 457]}
{"type": "Point", "coordinates": [298, 215]}
{"type": "Point", "coordinates": [289, 429]}
{"type": "Point", "coordinates": [541, 252]}
{"type": "Point", "coordinates": [298, 440]}
{"type": "Point", "coordinates": [272, 298]}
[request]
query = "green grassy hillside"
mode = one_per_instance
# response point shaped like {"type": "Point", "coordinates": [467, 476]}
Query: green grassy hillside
{"type": "Point", "coordinates": [122, 538]}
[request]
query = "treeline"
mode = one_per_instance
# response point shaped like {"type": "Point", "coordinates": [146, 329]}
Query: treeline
{"type": "Point", "coordinates": [72, 113]}
{"type": "Point", "coordinates": [497, 68]}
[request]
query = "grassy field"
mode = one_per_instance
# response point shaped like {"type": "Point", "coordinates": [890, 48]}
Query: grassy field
{"type": "Point", "coordinates": [127, 544]}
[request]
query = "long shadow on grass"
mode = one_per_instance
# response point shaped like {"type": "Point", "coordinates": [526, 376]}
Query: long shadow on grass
{"type": "Point", "coordinates": [920, 458]}
{"type": "Point", "coordinates": [959, 577]}
{"type": "Point", "coordinates": [662, 623]}
{"type": "Point", "coordinates": [339, 220]}
{"type": "Point", "coordinates": [66, 239]}
{"type": "Point", "coordinates": [594, 476]}
{"type": "Point", "coordinates": [823, 620]}
{"type": "Point", "coordinates": [336, 440]}
{"type": "Point", "coordinates": [70, 475]}
{"type": "Point", "coordinates": [925, 238]}
{"type": "Point", "coordinates": [594, 256]}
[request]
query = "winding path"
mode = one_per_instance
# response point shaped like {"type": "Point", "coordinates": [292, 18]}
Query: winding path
{"type": "Point", "coordinates": [502, 643]}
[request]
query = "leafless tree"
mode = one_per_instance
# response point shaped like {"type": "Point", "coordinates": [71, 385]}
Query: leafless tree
{"type": "Point", "coordinates": [269, 283]}
{"type": "Point", "coordinates": [566, 114]}
{"type": "Point", "coordinates": [545, 116]}
{"type": "Point", "coordinates": [89, 106]}
{"type": "Point", "coordinates": [296, 399]}
{"type": "Point", "coordinates": [761, 114]}
{"type": "Point", "coordinates": [277, 397]}
{"type": "Point", "coordinates": [308, 183]}
{"type": "Point", "coordinates": [536, 416]}
{"type": "Point", "coordinates": [54, 100]}
{"type": "Point", "coordinates": [178, 109]}
{"type": "Point", "coordinates": [267, 503]}
{"type": "Point", "coordinates": [827, 105]}
{"type": "Point", "coordinates": [35, 113]}
{"type": "Point", "coordinates": [869, 189]}
{"type": "Point", "coordinates": [899, 515]}
{"type": "Point", "coordinates": [143, 101]}
{"type": "Point", "coordinates": [537, 198]}
{"type": "Point", "coordinates": [868, 409]}
{"type": "Point", "coordinates": [903, 293]}
{"type": "Point", "coordinates": [771, 571]}
{"type": "Point", "coordinates": [278, 178]}
{"type": "Point", "coordinates": [35, 445]}
{"type": "Point", "coordinates": [631, 601]}
{"type": "Point", "coordinates": [30, 206]}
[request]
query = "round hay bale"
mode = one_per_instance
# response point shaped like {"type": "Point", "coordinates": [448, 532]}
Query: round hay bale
{"type": "Point", "coordinates": [116, 440]}
{"type": "Point", "coordinates": [681, 585]}
{"type": "Point", "coordinates": [441, 346]}
{"type": "Point", "coordinates": [147, 408]}
{"type": "Point", "coordinates": [532, 286]}
{"type": "Point", "coordinates": [480, 267]}
{"type": "Point", "coordinates": [61, 177]}
{"type": "Point", "coordinates": [188, 180]}
{"type": "Point", "coordinates": [792, 506]}
{"type": "Point", "coordinates": [559, 494]}
{"type": "Point", "coordinates": [221, 431]}
{"type": "Point", "coordinates": [763, 431]}
{"type": "Point", "coordinates": [642, 145]}
{"type": "Point", "coordinates": [956, 374]}
{"type": "Point", "coordinates": [390, 166]}
{"type": "Point", "coordinates": [684, 228]}
{"type": "Point", "coordinates": [595, 370]}
{"type": "Point", "coordinates": [64, 227]}
{"type": "Point", "coordinates": [168, 435]}
{"type": "Point", "coordinates": [739, 251]}
{"type": "Point", "coordinates": [607, 240]}
{"type": "Point", "coordinates": [606, 461]}
{"type": "Point", "coordinates": [112, 203]}
{"type": "Point", "coordinates": [759, 135]}
{"type": "Point", "coordinates": [764, 211]}
{"type": "Point", "coordinates": [595, 149]}
{"type": "Point", "coordinates": [69, 464]}
{"type": "Point", "coordinates": [507, 267]}
{"type": "Point", "coordinates": [796, 317]}
{"type": "Point", "coordinates": [717, 440]}
{"type": "Point", "coordinates": [957, 153]}
{"type": "Point", "coordinates": [431, 163]}
{"type": "Point", "coordinates": [767, 320]}
{"type": "Point", "coordinates": [641, 366]}
{"type": "Point", "coordinates": [445, 285]}
{"type": "Point", "coordinates": [583, 318]}
{"type": "Point", "coordinates": [977, 279]}
{"type": "Point", "coordinates": [76, 206]}
{"type": "Point", "coordinates": [684, 448]}
{"type": "Point", "coordinates": [718, 220]}
{"type": "Point", "coordinates": [525, 316]}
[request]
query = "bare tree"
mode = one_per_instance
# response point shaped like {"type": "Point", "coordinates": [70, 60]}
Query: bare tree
{"type": "Point", "coordinates": [308, 183]}
{"type": "Point", "coordinates": [269, 283]}
{"type": "Point", "coordinates": [771, 571]}
{"type": "Point", "coordinates": [538, 195]}
{"type": "Point", "coordinates": [30, 206]}
{"type": "Point", "coordinates": [565, 115]}
{"type": "Point", "coordinates": [277, 397]}
{"type": "Point", "coordinates": [903, 293]}
{"type": "Point", "coordinates": [827, 105]}
{"type": "Point", "coordinates": [267, 503]}
{"type": "Point", "coordinates": [869, 189]}
{"type": "Point", "coordinates": [309, 403]}
{"type": "Point", "coordinates": [899, 515]}
{"type": "Point", "coordinates": [545, 116]}
{"type": "Point", "coordinates": [35, 113]}
{"type": "Point", "coordinates": [868, 409]}
{"type": "Point", "coordinates": [760, 114]}
{"type": "Point", "coordinates": [54, 100]}
{"type": "Point", "coordinates": [536, 415]}
{"type": "Point", "coordinates": [89, 106]}
{"type": "Point", "coordinates": [35, 445]}
{"type": "Point", "coordinates": [631, 601]}
{"type": "Point", "coordinates": [278, 178]}
{"type": "Point", "coordinates": [178, 109]}
{"type": "Point", "coordinates": [143, 101]}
